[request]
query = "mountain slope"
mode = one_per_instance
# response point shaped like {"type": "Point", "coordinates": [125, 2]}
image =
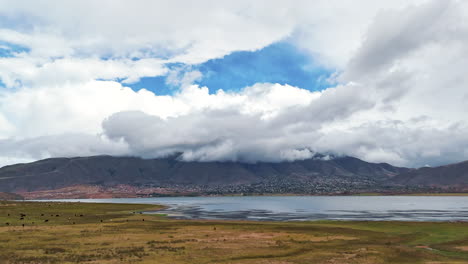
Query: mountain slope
{"type": "Point", "coordinates": [454, 175]}
{"type": "Point", "coordinates": [57, 173]}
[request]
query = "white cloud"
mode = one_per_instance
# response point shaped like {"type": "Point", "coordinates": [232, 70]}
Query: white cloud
{"type": "Point", "coordinates": [187, 32]}
{"type": "Point", "coordinates": [31, 72]}
{"type": "Point", "coordinates": [63, 145]}
{"type": "Point", "coordinates": [396, 34]}
{"type": "Point", "coordinates": [193, 32]}
{"type": "Point", "coordinates": [401, 64]}
{"type": "Point", "coordinates": [180, 77]}
{"type": "Point", "coordinates": [149, 125]}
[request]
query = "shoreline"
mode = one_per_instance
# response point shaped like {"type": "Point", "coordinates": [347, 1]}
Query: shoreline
{"type": "Point", "coordinates": [154, 208]}
{"type": "Point", "coordinates": [58, 197]}
{"type": "Point", "coordinates": [302, 209]}
{"type": "Point", "coordinates": [58, 232]}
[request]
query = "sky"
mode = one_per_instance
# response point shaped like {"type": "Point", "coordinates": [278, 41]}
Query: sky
{"type": "Point", "coordinates": [249, 81]}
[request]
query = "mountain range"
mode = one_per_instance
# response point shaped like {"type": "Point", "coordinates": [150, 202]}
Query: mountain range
{"type": "Point", "coordinates": [108, 176]}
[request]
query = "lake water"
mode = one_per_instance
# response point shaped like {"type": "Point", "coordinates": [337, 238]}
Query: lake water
{"type": "Point", "coordinates": [303, 208]}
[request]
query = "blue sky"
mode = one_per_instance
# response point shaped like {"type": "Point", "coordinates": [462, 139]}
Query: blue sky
{"type": "Point", "coordinates": [9, 49]}
{"type": "Point", "coordinates": [277, 63]}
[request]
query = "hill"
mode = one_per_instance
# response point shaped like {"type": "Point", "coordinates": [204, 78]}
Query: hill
{"type": "Point", "coordinates": [316, 175]}
{"type": "Point", "coordinates": [10, 196]}
{"type": "Point", "coordinates": [452, 175]}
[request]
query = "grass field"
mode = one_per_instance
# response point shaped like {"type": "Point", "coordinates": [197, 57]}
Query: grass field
{"type": "Point", "coordinates": [74, 233]}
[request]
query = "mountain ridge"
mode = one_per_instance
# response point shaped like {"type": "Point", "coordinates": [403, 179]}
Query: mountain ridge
{"type": "Point", "coordinates": [455, 175]}
{"type": "Point", "coordinates": [343, 174]}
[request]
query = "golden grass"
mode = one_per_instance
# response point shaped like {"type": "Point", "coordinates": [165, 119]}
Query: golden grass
{"type": "Point", "coordinates": [123, 237]}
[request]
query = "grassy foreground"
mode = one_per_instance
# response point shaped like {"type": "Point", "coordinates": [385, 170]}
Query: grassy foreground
{"type": "Point", "coordinates": [74, 233]}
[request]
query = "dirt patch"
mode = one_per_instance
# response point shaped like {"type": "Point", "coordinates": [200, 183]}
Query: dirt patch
{"type": "Point", "coordinates": [228, 236]}
{"type": "Point", "coordinates": [268, 236]}
{"type": "Point", "coordinates": [327, 238]}
{"type": "Point", "coordinates": [235, 240]}
{"type": "Point", "coordinates": [464, 248]}
{"type": "Point", "coordinates": [8, 205]}
{"type": "Point", "coordinates": [274, 262]}
{"type": "Point", "coordinates": [346, 257]}
{"type": "Point", "coordinates": [425, 247]}
{"type": "Point", "coordinates": [257, 236]}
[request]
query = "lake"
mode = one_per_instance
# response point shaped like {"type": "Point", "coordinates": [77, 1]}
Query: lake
{"type": "Point", "coordinates": [303, 208]}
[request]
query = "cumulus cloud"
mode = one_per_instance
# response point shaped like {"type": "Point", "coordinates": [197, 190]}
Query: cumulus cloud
{"type": "Point", "coordinates": [238, 132]}
{"type": "Point", "coordinates": [400, 95]}
{"type": "Point", "coordinates": [144, 113]}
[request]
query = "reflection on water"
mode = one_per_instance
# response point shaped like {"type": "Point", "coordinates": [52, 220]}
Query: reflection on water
{"type": "Point", "coordinates": [302, 208]}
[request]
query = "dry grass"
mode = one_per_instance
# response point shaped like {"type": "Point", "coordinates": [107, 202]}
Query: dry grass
{"type": "Point", "coordinates": [123, 237]}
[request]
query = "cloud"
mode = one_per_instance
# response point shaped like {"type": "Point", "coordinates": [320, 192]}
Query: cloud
{"type": "Point", "coordinates": [201, 31]}
{"type": "Point", "coordinates": [63, 145]}
{"type": "Point", "coordinates": [397, 33]}
{"type": "Point", "coordinates": [239, 132]}
{"type": "Point", "coordinates": [400, 93]}
{"type": "Point", "coordinates": [30, 72]}
{"type": "Point", "coordinates": [183, 77]}
{"type": "Point", "coordinates": [209, 122]}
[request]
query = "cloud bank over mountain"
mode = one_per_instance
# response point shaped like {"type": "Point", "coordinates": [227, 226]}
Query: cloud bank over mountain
{"type": "Point", "coordinates": [396, 88]}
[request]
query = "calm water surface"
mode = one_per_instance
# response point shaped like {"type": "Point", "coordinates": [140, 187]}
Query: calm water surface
{"type": "Point", "coordinates": [302, 208]}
